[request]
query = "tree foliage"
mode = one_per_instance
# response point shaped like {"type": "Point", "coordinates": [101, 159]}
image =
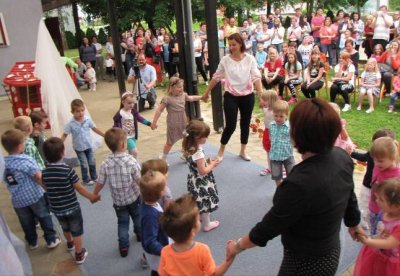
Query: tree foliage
{"type": "Point", "coordinates": [102, 37]}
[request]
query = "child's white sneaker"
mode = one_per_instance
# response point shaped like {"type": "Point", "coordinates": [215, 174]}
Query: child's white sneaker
{"type": "Point", "coordinates": [346, 108]}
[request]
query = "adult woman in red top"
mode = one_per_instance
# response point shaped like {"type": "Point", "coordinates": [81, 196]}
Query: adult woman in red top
{"type": "Point", "coordinates": [152, 52]}
{"type": "Point", "coordinates": [327, 35]}
{"type": "Point", "coordinates": [369, 33]}
{"type": "Point", "coordinates": [273, 71]}
{"type": "Point", "coordinates": [389, 62]}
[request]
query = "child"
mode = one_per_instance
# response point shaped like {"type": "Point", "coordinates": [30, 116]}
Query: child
{"type": "Point", "coordinates": [60, 181]}
{"type": "Point", "coordinates": [152, 185]}
{"type": "Point", "coordinates": [186, 257]}
{"type": "Point", "coordinates": [385, 153]}
{"type": "Point", "coordinates": [80, 72]}
{"type": "Point", "coordinates": [39, 121]}
{"type": "Point", "coordinates": [79, 127]}
{"type": "Point", "coordinates": [394, 95]}
{"type": "Point", "coordinates": [121, 172]}
{"type": "Point", "coordinates": [23, 178]}
{"type": "Point", "coordinates": [293, 76]}
{"type": "Point", "coordinates": [378, 51]}
{"type": "Point", "coordinates": [343, 141]}
{"type": "Point", "coordinates": [284, 52]}
{"type": "Point", "coordinates": [127, 118]}
{"type": "Point", "coordinates": [380, 254]}
{"type": "Point", "coordinates": [305, 50]}
{"type": "Point", "coordinates": [370, 83]}
{"type": "Point", "coordinates": [201, 182]}
{"type": "Point", "coordinates": [159, 165]}
{"type": "Point", "coordinates": [260, 56]}
{"type": "Point", "coordinates": [269, 97]}
{"type": "Point", "coordinates": [110, 68]}
{"type": "Point", "coordinates": [365, 190]}
{"type": "Point", "coordinates": [175, 103]}
{"type": "Point", "coordinates": [24, 124]}
{"type": "Point", "coordinates": [90, 76]}
{"type": "Point", "coordinates": [281, 153]}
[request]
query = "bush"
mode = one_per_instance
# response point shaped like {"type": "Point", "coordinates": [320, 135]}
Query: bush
{"type": "Point", "coordinates": [287, 22]}
{"type": "Point", "coordinates": [70, 37]}
{"type": "Point", "coordinates": [90, 33]}
{"type": "Point", "coordinates": [102, 37]}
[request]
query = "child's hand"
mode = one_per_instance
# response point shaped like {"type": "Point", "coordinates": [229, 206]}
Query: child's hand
{"type": "Point", "coordinates": [204, 98]}
{"type": "Point", "coordinates": [153, 126]}
{"type": "Point", "coordinates": [95, 198]}
{"type": "Point", "coordinates": [363, 238]}
{"type": "Point", "coordinates": [214, 162]}
{"type": "Point", "coordinates": [230, 250]}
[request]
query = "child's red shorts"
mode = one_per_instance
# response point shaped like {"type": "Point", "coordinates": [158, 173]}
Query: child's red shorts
{"type": "Point", "coordinates": [266, 141]}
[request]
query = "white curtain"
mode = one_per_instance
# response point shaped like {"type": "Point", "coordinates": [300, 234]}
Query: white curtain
{"type": "Point", "coordinates": [57, 88]}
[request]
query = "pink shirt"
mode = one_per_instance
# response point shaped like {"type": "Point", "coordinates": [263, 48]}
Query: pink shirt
{"type": "Point", "coordinates": [317, 21]}
{"type": "Point", "coordinates": [377, 177]}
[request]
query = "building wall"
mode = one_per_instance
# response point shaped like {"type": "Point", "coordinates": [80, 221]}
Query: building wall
{"type": "Point", "coordinates": [21, 18]}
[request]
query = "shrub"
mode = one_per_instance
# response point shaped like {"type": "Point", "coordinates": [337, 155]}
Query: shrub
{"type": "Point", "coordinates": [102, 37]}
{"type": "Point", "coordinates": [90, 33]}
{"type": "Point", "coordinates": [70, 37]}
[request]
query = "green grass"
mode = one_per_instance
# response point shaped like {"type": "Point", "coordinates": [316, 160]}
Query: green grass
{"type": "Point", "coordinates": [71, 53]}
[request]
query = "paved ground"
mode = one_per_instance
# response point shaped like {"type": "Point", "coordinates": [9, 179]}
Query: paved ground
{"type": "Point", "coordinates": [102, 105]}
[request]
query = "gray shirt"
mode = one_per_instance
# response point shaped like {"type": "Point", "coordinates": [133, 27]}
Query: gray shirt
{"type": "Point", "coordinates": [147, 74]}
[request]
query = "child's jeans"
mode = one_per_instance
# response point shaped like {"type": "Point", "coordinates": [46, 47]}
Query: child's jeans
{"type": "Point", "coordinates": [123, 214]}
{"type": "Point", "coordinates": [394, 97]}
{"type": "Point", "coordinates": [86, 158]}
{"type": "Point", "coordinates": [26, 216]}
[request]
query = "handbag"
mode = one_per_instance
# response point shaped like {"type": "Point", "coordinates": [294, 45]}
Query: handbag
{"type": "Point", "coordinates": [385, 68]}
{"type": "Point", "coordinates": [340, 82]}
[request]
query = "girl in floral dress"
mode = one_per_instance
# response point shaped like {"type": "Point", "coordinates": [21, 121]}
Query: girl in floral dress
{"type": "Point", "coordinates": [201, 181]}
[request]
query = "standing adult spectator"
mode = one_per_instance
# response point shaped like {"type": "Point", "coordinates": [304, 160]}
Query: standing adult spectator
{"type": "Point", "coordinates": [110, 47]}
{"type": "Point", "coordinates": [354, 54]}
{"type": "Point", "coordinates": [174, 55]}
{"type": "Point", "coordinates": [277, 14]}
{"type": "Point", "coordinates": [343, 27]}
{"type": "Point", "coordinates": [278, 32]}
{"type": "Point", "coordinates": [146, 83]}
{"type": "Point", "coordinates": [273, 72]}
{"type": "Point", "coordinates": [310, 204]}
{"type": "Point", "coordinates": [153, 53]}
{"type": "Point", "coordinates": [327, 39]}
{"type": "Point", "coordinates": [265, 37]}
{"type": "Point", "coordinates": [166, 54]}
{"type": "Point", "coordinates": [231, 28]}
{"type": "Point", "coordinates": [389, 62]}
{"type": "Point", "coordinates": [221, 41]}
{"type": "Point", "coordinates": [343, 81]}
{"type": "Point", "coordinates": [358, 29]}
{"type": "Point", "coordinates": [369, 33]}
{"type": "Point", "coordinates": [317, 22]}
{"type": "Point", "coordinates": [252, 25]}
{"type": "Point", "coordinates": [305, 26]}
{"type": "Point", "coordinates": [294, 31]}
{"type": "Point", "coordinates": [87, 52]}
{"type": "Point", "coordinates": [129, 51]}
{"type": "Point", "coordinates": [247, 42]}
{"type": "Point", "coordinates": [198, 56]}
{"type": "Point", "coordinates": [340, 16]}
{"type": "Point", "coordinates": [240, 72]}
{"type": "Point", "coordinates": [297, 14]}
{"type": "Point", "coordinates": [99, 59]}
{"type": "Point", "coordinates": [382, 23]}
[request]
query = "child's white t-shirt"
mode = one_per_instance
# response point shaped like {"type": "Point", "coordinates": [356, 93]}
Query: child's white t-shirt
{"type": "Point", "coordinates": [350, 69]}
{"type": "Point", "coordinates": [109, 62]}
{"type": "Point", "coordinates": [268, 116]}
{"type": "Point", "coordinates": [305, 51]}
{"type": "Point", "coordinates": [127, 122]}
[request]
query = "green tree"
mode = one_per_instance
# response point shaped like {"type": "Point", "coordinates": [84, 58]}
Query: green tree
{"type": "Point", "coordinates": [90, 33]}
{"type": "Point", "coordinates": [71, 42]}
{"type": "Point", "coordinates": [102, 37]}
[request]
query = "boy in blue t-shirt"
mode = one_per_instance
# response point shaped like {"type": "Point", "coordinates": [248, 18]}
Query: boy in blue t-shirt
{"type": "Point", "coordinates": [61, 182]}
{"type": "Point", "coordinates": [23, 178]}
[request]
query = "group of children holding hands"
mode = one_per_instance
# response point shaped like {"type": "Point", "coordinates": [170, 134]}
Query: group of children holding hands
{"type": "Point", "coordinates": [39, 182]}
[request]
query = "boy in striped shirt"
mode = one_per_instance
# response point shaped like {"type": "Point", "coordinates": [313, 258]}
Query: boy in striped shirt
{"type": "Point", "coordinates": [61, 182]}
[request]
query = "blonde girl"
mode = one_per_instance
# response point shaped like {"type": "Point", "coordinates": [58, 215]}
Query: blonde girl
{"type": "Point", "coordinates": [369, 84]}
{"type": "Point", "coordinates": [269, 97]}
{"type": "Point", "coordinates": [127, 118]}
{"type": "Point", "coordinates": [313, 75]}
{"type": "Point", "coordinates": [343, 141]}
{"type": "Point", "coordinates": [380, 254]}
{"type": "Point", "coordinates": [201, 181]}
{"type": "Point", "coordinates": [385, 153]}
{"type": "Point", "coordinates": [174, 102]}
{"type": "Point", "coordinates": [293, 76]}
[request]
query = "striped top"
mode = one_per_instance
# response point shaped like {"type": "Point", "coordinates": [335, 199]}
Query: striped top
{"type": "Point", "coordinates": [59, 180]}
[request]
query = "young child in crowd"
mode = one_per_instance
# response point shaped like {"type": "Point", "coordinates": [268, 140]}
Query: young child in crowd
{"type": "Point", "coordinates": [260, 56]}
{"type": "Point", "coordinates": [305, 50]}
{"type": "Point", "coordinates": [110, 68]}
{"type": "Point", "coordinates": [284, 52]}
{"type": "Point", "coordinates": [152, 186]}
{"type": "Point", "coordinates": [61, 182]}
{"type": "Point", "coordinates": [79, 127]}
{"type": "Point", "coordinates": [365, 191]}
{"type": "Point", "coordinates": [201, 181]}
{"type": "Point", "coordinates": [370, 83]}
{"type": "Point", "coordinates": [24, 182]}
{"type": "Point", "coordinates": [186, 257]}
{"type": "Point", "coordinates": [281, 153]}
{"type": "Point", "coordinates": [80, 72]}
{"type": "Point", "coordinates": [39, 122]}
{"type": "Point", "coordinates": [24, 124]}
{"type": "Point", "coordinates": [293, 76]}
{"type": "Point", "coordinates": [90, 76]}
{"type": "Point", "coordinates": [394, 95]}
{"type": "Point", "coordinates": [380, 254]}
{"type": "Point", "coordinates": [175, 103]}
{"type": "Point", "coordinates": [343, 141]}
{"type": "Point", "coordinates": [378, 51]}
{"type": "Point", "coordinates": [121, 173]}
{"type": "Point", "coordinates": [159, 165]}
{"type": "Point", "coordinates": [385, 152]}
{"type": "Point", "coordinates": [127, 118]}
{"type": "Point", "coordinates": [269, 97]}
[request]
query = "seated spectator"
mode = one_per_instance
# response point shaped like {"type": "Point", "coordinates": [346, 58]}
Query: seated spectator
{"type": "Point", "coordinates": [273, 71]}
{"type": "Point", "coordinates": [389, 62]}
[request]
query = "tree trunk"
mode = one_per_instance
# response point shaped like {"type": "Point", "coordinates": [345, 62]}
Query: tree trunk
{"type": "Point", "coordinates": [240, 17]}
{"type": "Point", "coordinates": [311, 8]}
{"type": "Point", "coordinates": [78, 35]}
{"type": "Point", "coordinates": [269, 7]}
{"type": "Point", "coordinates": [62, 27]}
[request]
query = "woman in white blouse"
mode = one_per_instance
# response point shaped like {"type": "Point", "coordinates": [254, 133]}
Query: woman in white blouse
{"type": "Point", "coordinates": [239, 70]}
